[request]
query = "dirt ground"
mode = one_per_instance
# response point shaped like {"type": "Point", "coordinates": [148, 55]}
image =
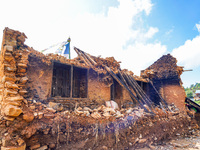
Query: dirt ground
{"type": "Point", "coordinates": [190, 142]}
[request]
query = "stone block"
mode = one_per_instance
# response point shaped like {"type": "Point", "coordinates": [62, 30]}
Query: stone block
{"type": "Point", "coordinates": [21, 70]}
{"type": "Point", "coordinates": [16, 103]}
{"type": "Point", "coordinates": [22, 65]}
{"type": "Point", "coordinates": [8, 78]}
{"type": "Point", "coordinates": [13, 42]}
{"type": "Point", "coordinates": [28, 117]}
{"type": "Point", "coordinates": [11, 85]}
{"type": "Point", "coordinates": [8, 58]}
{"type": "Point", "coordinates": [10, 92]}
{"type": "Point", "coordinates": [10, 69]}
{"type": "Point", "coordinates": [96, 115]}
{"type": "Point", "coordinates": [16, 98]}
{"type": "Point", "coordinates": [12, 111]}
{"type": "Point", "coordinates": [9, 118]}
{"type": "Point", "coordinates": [43, 148]}
{"type": "Point", "coordinates": [56, 106]}
{"type": "Point", "coordinates": [22, 92]}
{"type": "Point", "coordinates": [8, 48]}
{"type": "Point", "coordinates": [35, 146]}
{"type": "Point", "coordinates": [22, 147]}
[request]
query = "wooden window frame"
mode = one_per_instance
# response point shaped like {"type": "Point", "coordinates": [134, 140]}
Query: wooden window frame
{"type": "Point", "coordinates": [71, 68]}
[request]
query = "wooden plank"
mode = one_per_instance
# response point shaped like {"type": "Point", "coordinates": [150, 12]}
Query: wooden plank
{"type": "Point", "coordinates": [83, 57]}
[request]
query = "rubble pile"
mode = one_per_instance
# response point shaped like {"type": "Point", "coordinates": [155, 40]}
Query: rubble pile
{"type": "Point", "coordinates": [49, 127]}
{"type": "Point", "coordinates": [163, 68]}
{"type": "Point", "coordinates": [47, 59]}
{"type": "Point", "coordinates": [108, 61]}
{"type": "Point", "coordinates": [31, 118]}
{"type": "Point", "coordinates": [138, 78]}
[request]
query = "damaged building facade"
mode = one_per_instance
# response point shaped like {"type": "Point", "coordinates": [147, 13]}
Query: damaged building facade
{"type": "Point", "coordinates": [28, 76]}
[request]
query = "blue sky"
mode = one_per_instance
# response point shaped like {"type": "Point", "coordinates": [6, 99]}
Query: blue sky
{"type": "Point", "coordinates": [136, 32]}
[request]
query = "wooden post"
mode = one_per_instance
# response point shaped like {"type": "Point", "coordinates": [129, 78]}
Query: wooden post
{"type": "Point", "coordinates": [71, 82]}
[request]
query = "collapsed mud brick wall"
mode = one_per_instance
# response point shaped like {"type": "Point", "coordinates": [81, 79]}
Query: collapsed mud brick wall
{"type": "Point", "coordinates": [13, 75]}
{"type": "Point", "coordinates": [165, 75]}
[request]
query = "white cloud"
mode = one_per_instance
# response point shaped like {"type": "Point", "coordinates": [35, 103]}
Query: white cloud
{"type": "Point", "coordinates": [140, 56]}
{"type": "Point", "coordinates": [189, 53]}
{"type": "Point", "coordinates": [151, 32]}
{"type": "Point", "coordinates": [104, 33]}
{"type": "Point", "coordinates": [109, 34]}
{"type": "Point", "coordinates": [198, 27]}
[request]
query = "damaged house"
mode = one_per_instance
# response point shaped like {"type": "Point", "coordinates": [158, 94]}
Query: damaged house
{"type": "Point", "coordinates": [85, 80]}
{"type": "Point", "coordinates": [28, 76]}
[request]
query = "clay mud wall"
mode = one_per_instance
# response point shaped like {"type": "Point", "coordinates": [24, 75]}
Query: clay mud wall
{"type": "Point", "coordinates": [172, 92]}
{"type": "Point", "coordinates": [165, 76]}
{"type": "Point", "coordinates": [40, 79]}
{"type": "Point", "coordinates": [97, 90]}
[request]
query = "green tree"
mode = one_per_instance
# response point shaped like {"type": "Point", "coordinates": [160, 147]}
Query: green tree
{"type": "Point", "coordinates": [190, 94]}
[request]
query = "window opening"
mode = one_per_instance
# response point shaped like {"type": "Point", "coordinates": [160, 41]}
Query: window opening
{"type": "Point", "coordinates": [61, 81]}
{"type": "Point", "coordinates": [79, 83]}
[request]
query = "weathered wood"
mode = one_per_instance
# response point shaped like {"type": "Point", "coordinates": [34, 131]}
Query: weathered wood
{"type": "Point", "coordinates": [134, 88]}
{"type": "Point", "coordinates": [82, 57]}
{"type": "Point", "coordinates": [123, 85]}
{"type": "Point", "coordinates": [89, 58]}
{"type": "Point", "coordinates": [141, 91]}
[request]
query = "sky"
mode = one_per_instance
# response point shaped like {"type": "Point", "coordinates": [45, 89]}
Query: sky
{"type": "Point", "coordinates": [135, 32]}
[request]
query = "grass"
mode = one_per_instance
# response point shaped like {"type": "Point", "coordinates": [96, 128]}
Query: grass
{"type": "Point", "coordinates": [198, 102]}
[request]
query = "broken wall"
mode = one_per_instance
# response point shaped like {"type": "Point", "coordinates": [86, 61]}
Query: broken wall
{"type": "Point", "coordinates": [13, 73]}
{"type": "Point", "coordinates": [165, 75]}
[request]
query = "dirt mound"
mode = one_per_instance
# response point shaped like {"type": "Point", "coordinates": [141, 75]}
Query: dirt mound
{"type": "Point", "coordinates": [41, 126]}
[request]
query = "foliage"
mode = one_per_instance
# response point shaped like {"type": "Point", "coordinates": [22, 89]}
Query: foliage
{"type": "Point", "coordinates": [190, 91]}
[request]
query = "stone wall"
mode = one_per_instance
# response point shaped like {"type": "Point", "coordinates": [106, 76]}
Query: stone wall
{"type": "Point", "coordinates": [13, 77]}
